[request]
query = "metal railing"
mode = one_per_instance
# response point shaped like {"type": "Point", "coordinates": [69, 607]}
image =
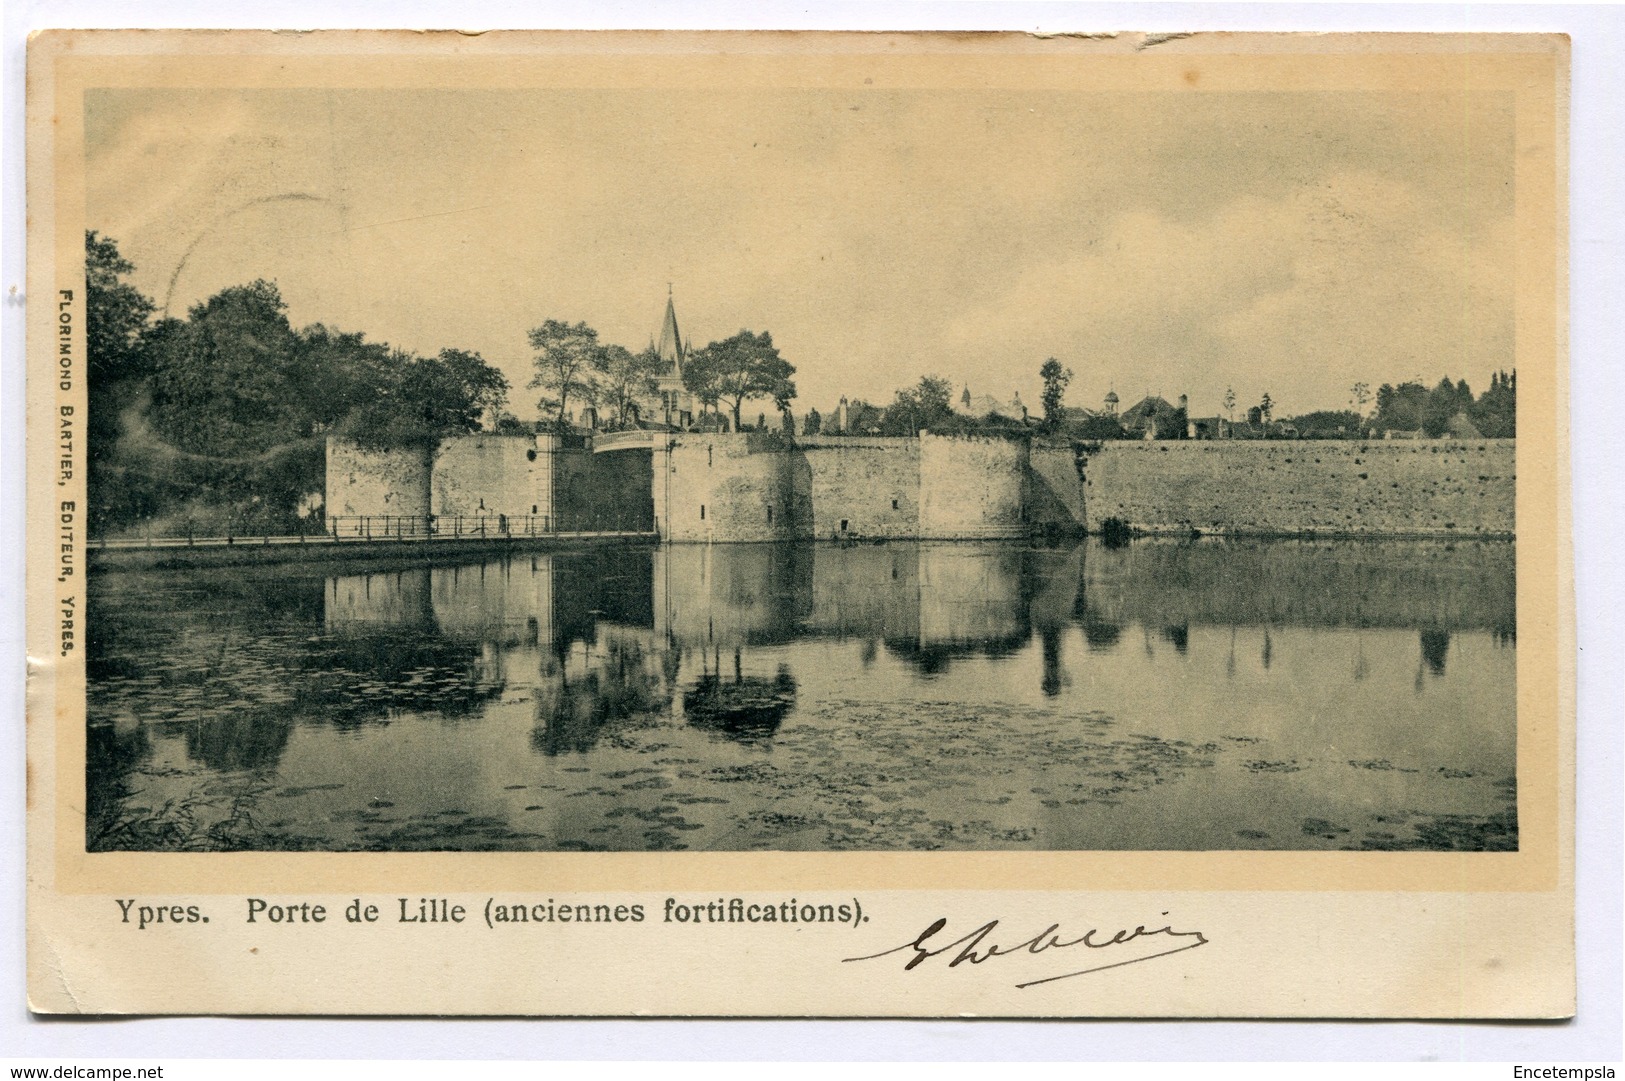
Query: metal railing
{"type": "Point", "coordinates": [352, 528]}
{"type": "Point", "coordinates": [441, 526]}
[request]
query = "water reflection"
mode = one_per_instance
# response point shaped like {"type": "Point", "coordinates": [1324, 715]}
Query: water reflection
{"type": "Point", "coordinates": [1435, 648]}
{"type": "Point", "coordinates": [748, 709]}
{"type": "Point", "coordinates": [588, 696]}
{"type": "Point", "coordinates": [244, 741]}
{"type": "Point", "coordinates": [235, 673]}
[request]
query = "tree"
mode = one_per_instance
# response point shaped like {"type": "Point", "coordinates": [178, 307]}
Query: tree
{"type": "Point", "coordinates": [476, 392]}
{"type": "Point", "coordinates": [1401, 407]}
{"type": "Point", "coordinates": [566, 361]}
{"type": "Point", "coordinates": [1266, 407]}
{"type": "Point", "coordinates": [815, 422]}
{"type": "Point", "coordinates": [217, 418]}
{"type": "Point", "coordinates": [862, 419]}
{"type": "Point", "coordinates": [221, 381]}
{"type": "Point", "coordinates": [1359, 394]}
{"type": "Point", "coordinates": [1095, 426]}
{"type": "Point", "coordinates": [1442, 404]}
{"type": "Point", "coordinates": [118, 339]}
{"type": "Point", "coordinates": [1174, 424]}
{"type": "Point", "coordinates": [222, 430]}
{"type": "Point", "coordinates": [421, 400]}
{"type": "Point", "coordinates": [116, 314]}
{"type": "Point", "coordinates": [744, 366]}
{"type": "Point", "coordinates": [1230, 403]}
{"type": "Point", "coordinates": [332, 374]}
{"type": "Point", "coordinates": [927, 404]}
{"type": "Point", "coordinates": [1495, 414]}
{"type": "Point", "coordinates": [1327, 423]}
{"type": "Point", "coordinates": [624, 377]}
{"type": "Point", "coordinates": [1055, 380]}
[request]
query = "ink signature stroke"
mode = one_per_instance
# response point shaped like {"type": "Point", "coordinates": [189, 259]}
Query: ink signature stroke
{"type": "Point", "coordinates": [980, 946]}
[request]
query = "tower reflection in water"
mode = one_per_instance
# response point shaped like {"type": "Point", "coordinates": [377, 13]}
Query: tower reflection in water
{"type": "Point", "coordinates": [696, 632]}
{"type": "Point", "coordinates": [839, 662]}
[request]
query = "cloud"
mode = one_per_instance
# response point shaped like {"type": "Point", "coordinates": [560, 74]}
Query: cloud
{"type": "Point", "coordinates": [1348, 279]}
{"type": "Point", "coordinates": [1165, 242]}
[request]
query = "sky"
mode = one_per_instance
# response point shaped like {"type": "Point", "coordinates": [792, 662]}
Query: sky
{"type": "Point", "coordinates": [1293, 243]}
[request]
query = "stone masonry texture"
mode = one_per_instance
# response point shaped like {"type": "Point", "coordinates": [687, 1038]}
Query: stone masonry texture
{"type": "Point", "coordinates": [1421, 488]}
{"type": "Point", "coordinates": [362, 482]}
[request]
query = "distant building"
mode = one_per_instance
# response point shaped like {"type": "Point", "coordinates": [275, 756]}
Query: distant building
{"type": "Point", "coordinates": [984, 405]}
{"type": "Point", "coordinates": [1462, 427]}
{"type": "Point", "coordinates": [671, 403]}
{"type": "Point", "coordinates": [1152, 418]}
{"type": "Point", "coordinates": [849, 417]}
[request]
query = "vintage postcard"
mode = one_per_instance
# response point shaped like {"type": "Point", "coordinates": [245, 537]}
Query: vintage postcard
{"type": "Point", "coordinates": [800, 524]}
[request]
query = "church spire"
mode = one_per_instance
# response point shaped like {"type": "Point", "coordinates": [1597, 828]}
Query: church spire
{"type": "Point", "coordinates": [671, 342]}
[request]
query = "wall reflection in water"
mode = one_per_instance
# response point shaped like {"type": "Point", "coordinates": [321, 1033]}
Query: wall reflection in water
{"type": "Point", "coordinates": [734, 642]}
{"type": "Point", "coordinates": [619, 635]}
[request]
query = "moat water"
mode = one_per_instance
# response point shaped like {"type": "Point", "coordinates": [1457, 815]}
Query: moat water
{"type": "Point", "coordinates": [1163, 695]}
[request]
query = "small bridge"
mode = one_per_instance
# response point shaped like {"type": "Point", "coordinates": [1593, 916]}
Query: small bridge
{"type": "Point", "coordinates": [634, 439]}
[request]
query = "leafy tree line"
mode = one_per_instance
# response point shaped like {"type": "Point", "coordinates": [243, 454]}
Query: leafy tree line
{"type": "Point", "coordinates": [219, 420]}
{"type": "Point", "coordinates": [573, 367]}
{"type": "Point", "coordinates": [1411, 406]}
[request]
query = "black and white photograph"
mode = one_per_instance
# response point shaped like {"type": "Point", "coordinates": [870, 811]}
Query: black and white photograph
{"type": "Point", "coordinates": [815, 469]}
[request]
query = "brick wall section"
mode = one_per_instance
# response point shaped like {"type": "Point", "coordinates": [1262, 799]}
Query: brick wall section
{"type": "Point", "coordinates": [1423, 488]}
{"type": "Point", "coordinates": [1055, 490]}
{"type": "Point", "coordinates": [376, 482]}
{"type": "Point", "coordinates": [487, 475]}
{"type": "Point", "coordinates": [971, 487]}
{"type": "Point", "coordinates": [733, 486]}
{"type": "Point", "coordinates": [871, 484]}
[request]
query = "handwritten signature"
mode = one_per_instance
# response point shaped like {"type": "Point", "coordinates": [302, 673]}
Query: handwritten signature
{"type": "Point", "coordinates": [975, 947]}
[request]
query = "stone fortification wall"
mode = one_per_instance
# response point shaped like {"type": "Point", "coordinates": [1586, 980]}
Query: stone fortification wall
{"type": "Point", "coordinates": [733, 486]}
{"type": "Point", "coordinates": [972, 487]}
{"type": "Point", "coordinates": [1426, 487]}
{"type": "Point", "coordinates": [1055, 490]}
{"type": "Point", "coordinates": [488, 475]}
{"type": "Point", "coordinates": [869, 486]}
{"type": "Point", "coordinates": [757, 487]}
{"type": "Point", "coordinates": [746, 487]}
{"type": "Point", "coordinates": [583, 490]}
{"type": "Point", "coordinates": [394, 482]}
